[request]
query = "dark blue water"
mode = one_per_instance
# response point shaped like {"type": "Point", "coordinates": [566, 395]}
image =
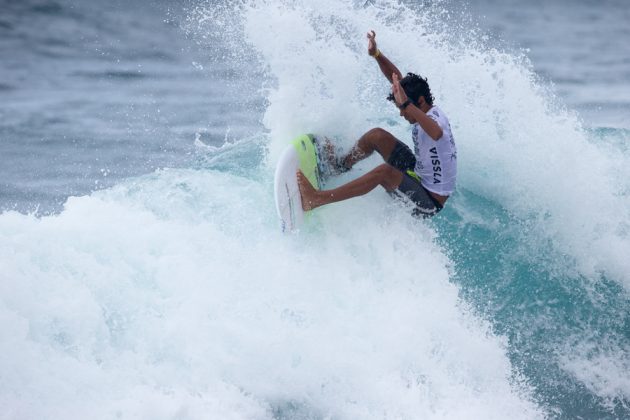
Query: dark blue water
{"type": "Point", "coordinates": [93, 93]}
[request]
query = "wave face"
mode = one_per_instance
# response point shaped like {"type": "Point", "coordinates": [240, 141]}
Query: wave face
{"type": "Point", "coordinates": [174, 294]}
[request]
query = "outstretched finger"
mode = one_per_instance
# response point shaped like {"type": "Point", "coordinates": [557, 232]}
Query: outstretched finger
{"type": "Point", "coordinates": [396, 88]}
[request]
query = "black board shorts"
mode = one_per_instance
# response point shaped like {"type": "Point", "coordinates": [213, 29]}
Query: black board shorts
{"type": "Point", "coordinates": [403, 159]}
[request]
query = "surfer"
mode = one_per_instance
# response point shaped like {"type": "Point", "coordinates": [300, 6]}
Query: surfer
{"type": "Point", "coordinates": [427, 175]}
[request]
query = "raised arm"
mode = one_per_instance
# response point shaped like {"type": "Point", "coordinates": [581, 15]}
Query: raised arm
{"type": "Point", "coordinates": [387, 67]}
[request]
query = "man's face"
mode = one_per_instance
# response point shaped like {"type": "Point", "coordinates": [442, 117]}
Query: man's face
{"type": "Point", "coordinates": [409, 119]}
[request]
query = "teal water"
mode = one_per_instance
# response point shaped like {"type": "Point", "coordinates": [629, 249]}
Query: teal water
{"type": "Point", "coordinates": [562, 327]}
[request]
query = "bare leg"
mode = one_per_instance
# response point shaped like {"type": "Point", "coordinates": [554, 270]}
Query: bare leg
{"type": "Point", "coordinates": [385, 175]}
{"type": "Point", "coordinates": [376, 139]}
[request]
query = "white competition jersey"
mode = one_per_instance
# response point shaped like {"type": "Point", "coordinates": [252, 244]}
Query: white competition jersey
{"type": "Point", "coordinates": [436, 160]}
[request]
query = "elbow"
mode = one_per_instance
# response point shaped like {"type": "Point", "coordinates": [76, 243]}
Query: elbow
{"type": "Point", "coordinates": [437, 134]}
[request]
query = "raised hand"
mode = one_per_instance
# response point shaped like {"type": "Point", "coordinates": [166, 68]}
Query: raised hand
{"type": "Point", "coordinates": [399, 92]}
{"type": "Point", "coordinates": [372, 43]}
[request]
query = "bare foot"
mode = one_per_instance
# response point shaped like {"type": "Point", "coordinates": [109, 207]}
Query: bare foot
{"type": "Point", "coordinates": [307, 192]}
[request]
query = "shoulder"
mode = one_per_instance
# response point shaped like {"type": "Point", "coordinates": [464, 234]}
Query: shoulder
{"type": "Point", "coordinates": [437, 115]}
{"type": "Point", "coordinates": [436, 112]}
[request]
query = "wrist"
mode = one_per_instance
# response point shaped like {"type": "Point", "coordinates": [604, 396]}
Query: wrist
{"type": "Point", "coordinates": [376, 54]}
{"type": "Point", "coordinates": [405, 104]}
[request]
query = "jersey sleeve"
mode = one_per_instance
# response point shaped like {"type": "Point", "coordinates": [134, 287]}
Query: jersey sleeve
{"type": "Point", "coordinates": [436, 115]}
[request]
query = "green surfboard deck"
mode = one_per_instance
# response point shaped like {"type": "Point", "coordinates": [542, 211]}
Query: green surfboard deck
{"type": "Point", "coordinates": [307, 154]}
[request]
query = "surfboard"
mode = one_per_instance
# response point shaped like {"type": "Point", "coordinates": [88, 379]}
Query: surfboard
{"type": "Point", "coordinates": [302, 153]}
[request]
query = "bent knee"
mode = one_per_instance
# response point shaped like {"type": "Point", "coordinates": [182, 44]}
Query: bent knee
{"type": "Point", "coordinates": [378, 139]}
{"type": "Point", "coordinates": [390, 177]}
{"type": "Point", "coordinates": [377, 133]}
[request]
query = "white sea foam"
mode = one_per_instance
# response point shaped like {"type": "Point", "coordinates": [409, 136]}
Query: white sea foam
{"type": "Point", "coordinates": [518, 146]}
{"type": "Point", "coordinates": [176, 296]}
{"type": "Point", "coordinates": [603, 369]}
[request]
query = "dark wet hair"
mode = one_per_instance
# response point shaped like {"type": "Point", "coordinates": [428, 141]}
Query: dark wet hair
{"type": "Point", "coordinates": [415, 87]}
